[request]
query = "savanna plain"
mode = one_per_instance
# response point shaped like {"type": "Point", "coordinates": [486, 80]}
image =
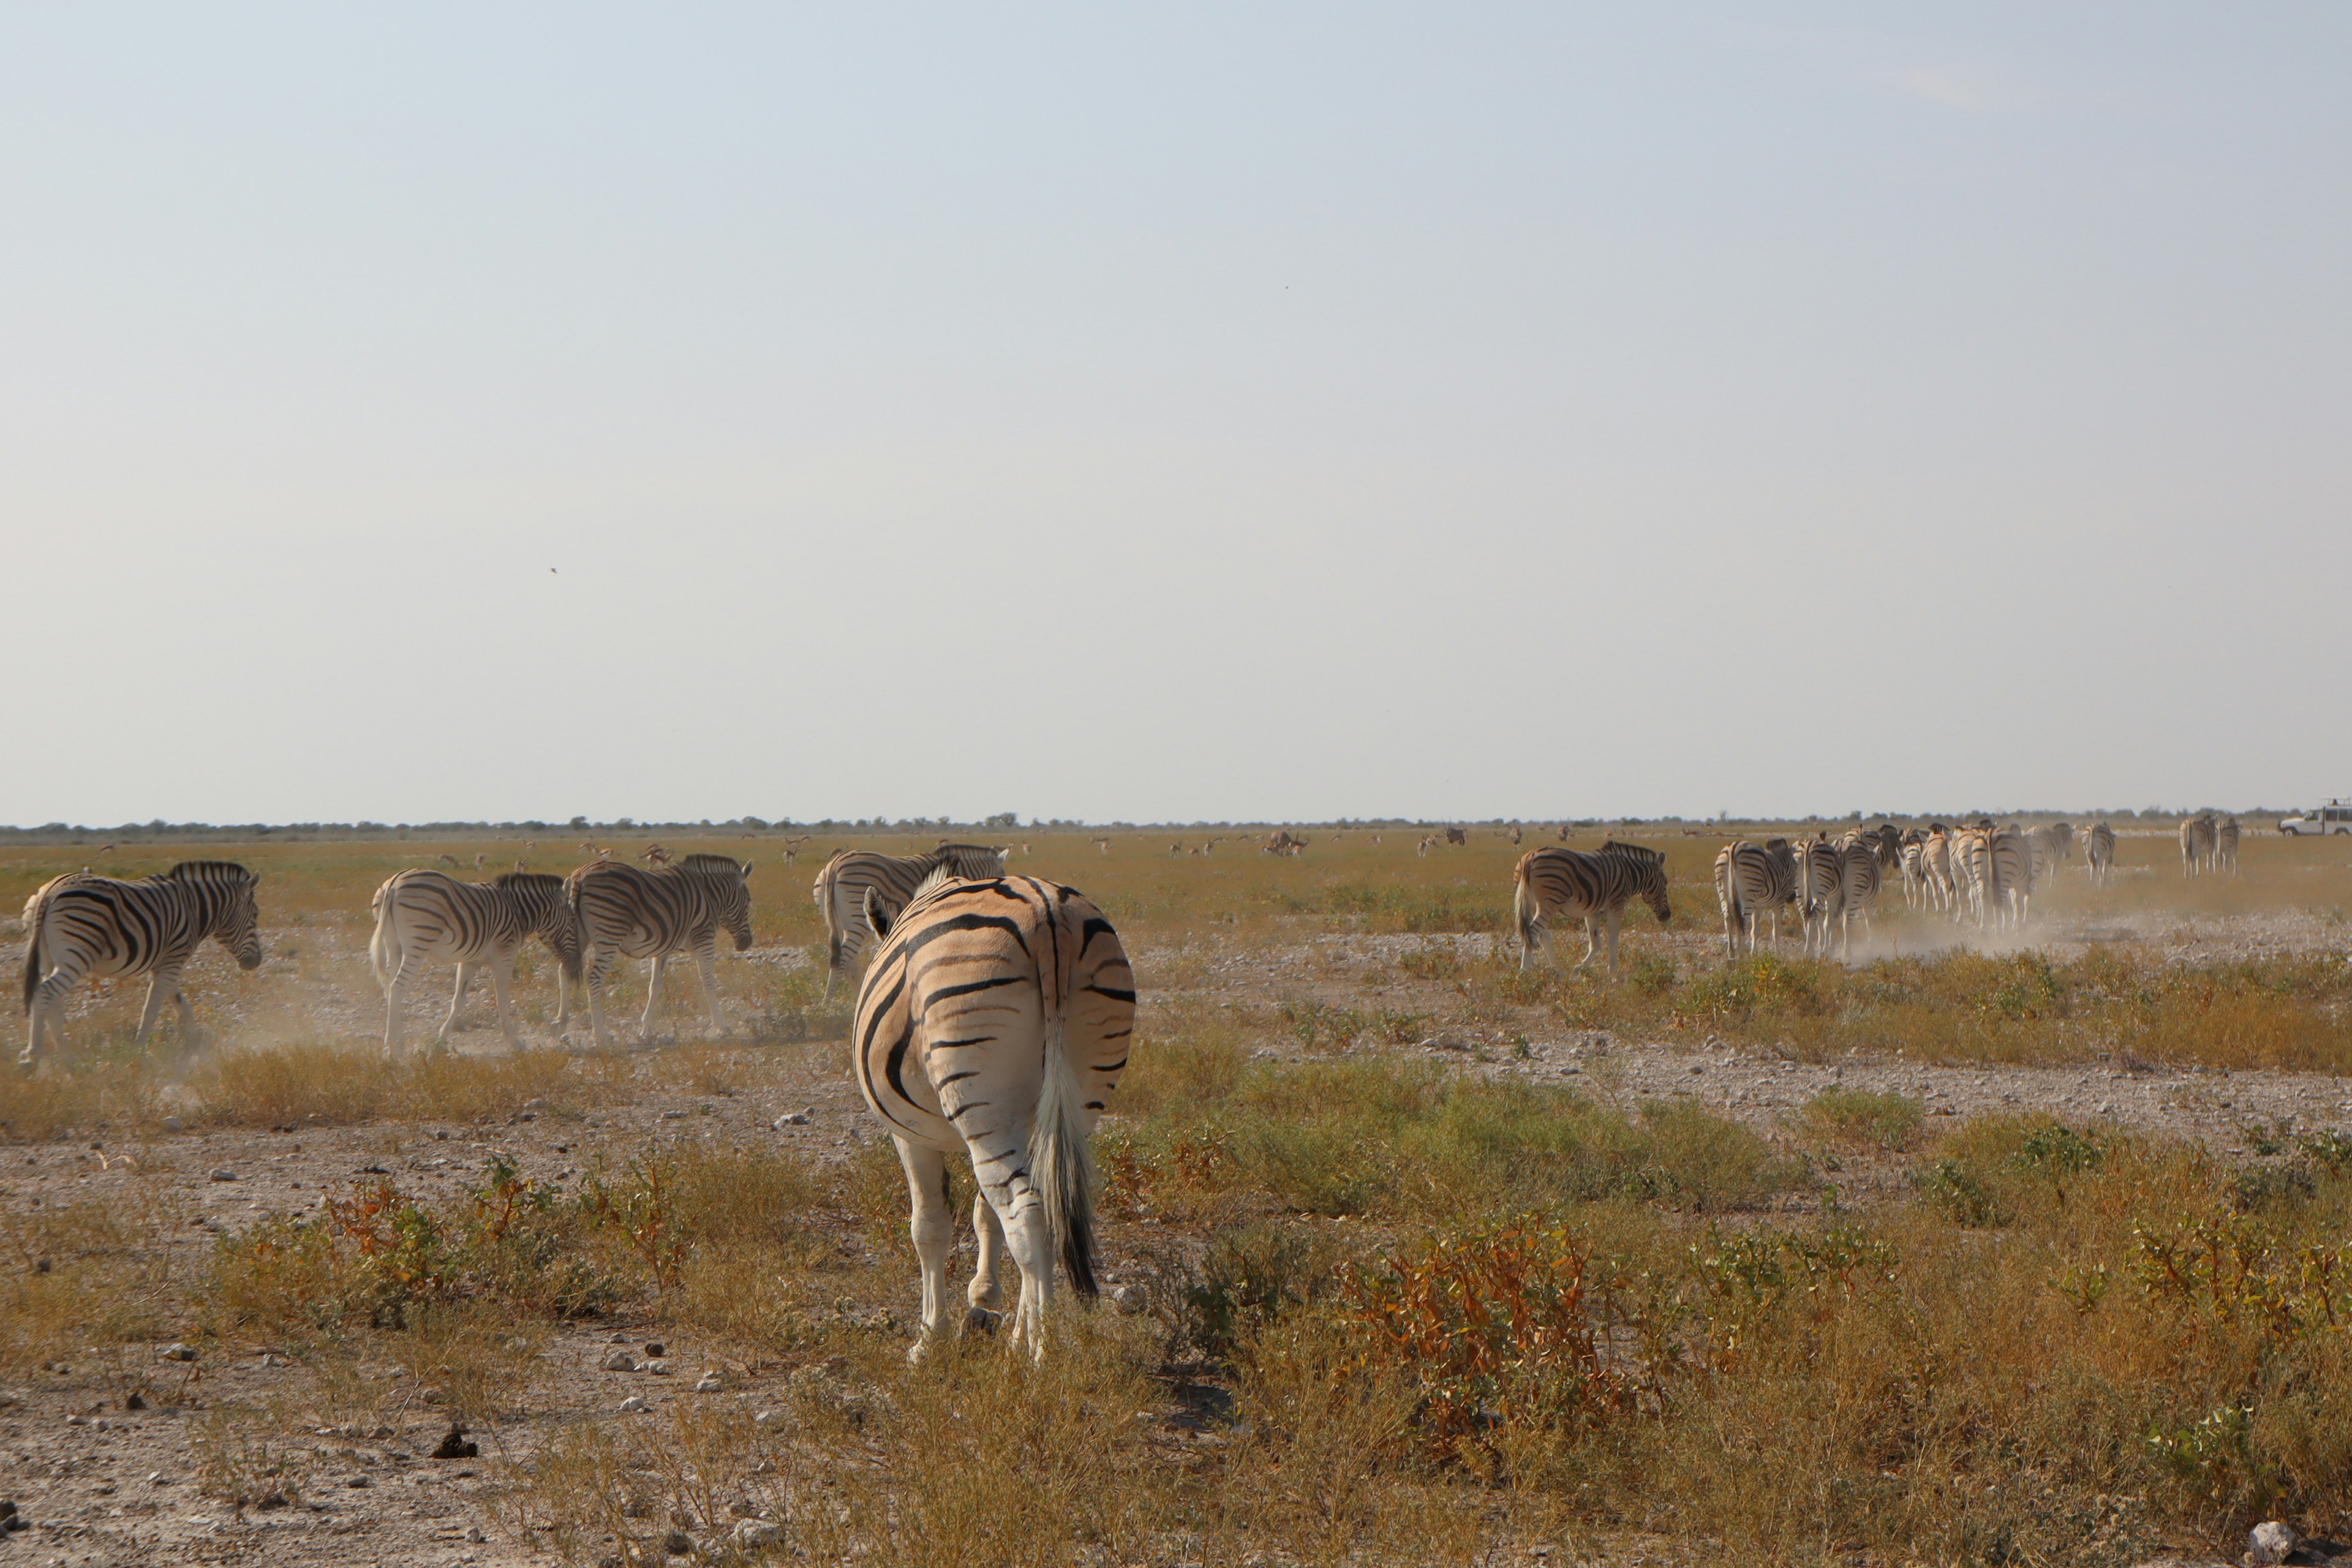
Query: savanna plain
{"type": "Point", "coordinates": [2021, 1250]}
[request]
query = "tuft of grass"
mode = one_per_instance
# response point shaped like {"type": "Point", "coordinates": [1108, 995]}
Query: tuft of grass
{"type": "Point", "coordinates": [1864, 1117]}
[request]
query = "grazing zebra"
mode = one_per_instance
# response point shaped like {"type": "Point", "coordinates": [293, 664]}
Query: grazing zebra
{"type": "Point", "coordinates": [1750, 879]}
{"type": "Point", "coordinates": [2225, 845]}
{"type": "Point", "coordinates": [2197, 836]}
{"type": "Point", "coordinates": [2099, 852]}
{"type": "Point", "coordinates": [1457, 835]}
{"type": "Point", "coordinates": [1551, 882]}
{"type": "Point", "coordinates": [848, 877]}
{"type": "Point", "coordinates": [627, 913]}
{"type": "Point", "coordinates": [1820, 893]}
{"type": "Point", "coordinates": [995, 1022]}
{"type": "Point", "coordinates": [421, 915]}
{"type": "Point", "coordinates": [79, 925]}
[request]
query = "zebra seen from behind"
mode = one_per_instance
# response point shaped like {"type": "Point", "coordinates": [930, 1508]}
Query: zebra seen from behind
{"type": "Point", "coordinates": [2225, 845]}
{"type": "Point", "coordinates": [2197, 836]}
{"type": "Point", "coordinates": [624, 912]}
{"type": "Point", "coordinates": [1751, 881]}
{"type": "Point", "coordinates": [424, 915]}
{"type": "Point", "coordinates": [1595, 886]}
{"type": "Point", "coordinates": [995, 1023]}
{"type": "Point", "coordinates": [1820, 893]}
{"type": "Point", "coordinates": [852, 874]}
{"type": "Point", "coordinates": [2099, 852]}
{"type": "Point", "coordinates": [79, 926]}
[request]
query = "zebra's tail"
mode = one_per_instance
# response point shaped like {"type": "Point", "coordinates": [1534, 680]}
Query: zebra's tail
{"type": "Point", "coordinates": [1527, 910]}
{"type": "Point", "coordinates": [1059, 1159]}
{"type": "Point", "coordinates": [32, 960]}
{"type": "Point", "coordinates": [384, 948]}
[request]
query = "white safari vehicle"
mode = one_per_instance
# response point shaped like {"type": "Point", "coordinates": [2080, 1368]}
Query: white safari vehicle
{"type": "Point", "coordinates": [2336, 817]}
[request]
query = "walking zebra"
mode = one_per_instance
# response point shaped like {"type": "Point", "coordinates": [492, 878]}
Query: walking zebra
{"type": "Point", "coordinates": [842, 888]}
{"type": "Point", "coordinates": [1862, 865]}
{"type": "Point", "coordinates": [79, 925]}
{"type": "Point", "coordinates": [2196, 836]}
{"type": "Point", "coordinates": [2010, 886]}
{"type": "Point", "coordinates": [1596, 887]}
{"type": "Point", "coordinates": [422, 915]}
{"type": "Point", "coordinates": [2099, 852]}
{"type": "Point", "coordinates": [1751, 880]}
{"type": "Point", "coordinates": [2225, 845]}
{"type": "Point", "coordinates": [2051, 848]}
{"type": "Point", "coordinates": [624, 912]}
{"type": "Point", "coordinates": [1820, 893]}
{"type": "Point", "coordinates": [995, 1022]}
{"type": "Point", "coordinates": [1971, 863]}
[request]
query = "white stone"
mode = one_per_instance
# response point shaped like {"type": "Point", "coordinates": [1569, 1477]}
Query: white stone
{"type": "Point", "coordinates": [2271, 1541]}
{"type": "Point", "coordinates": [756, 1532]}
{"type": "Point", "coordinates": [620, 1361]}
{"type": "Point", "coordinates": [631, 1404]}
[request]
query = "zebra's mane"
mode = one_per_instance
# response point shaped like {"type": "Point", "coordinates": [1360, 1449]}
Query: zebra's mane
{"type": "Point", "coordinates": [209, 871]}
{"type": "Point", "coordinates": [1642, 852]}
{"type": "Point", "coordinates": [727, 863]}
{"type": "Point", "coordinates": [940, 876]}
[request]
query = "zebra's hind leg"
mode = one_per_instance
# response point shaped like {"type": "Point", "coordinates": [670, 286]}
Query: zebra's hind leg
{"type": "Point", "coordinates": [1030, 1240]}
{"type": "Point", "coordinates": [1616, 923]}
{"type": "Point", "coordinates": [987, 1290]}
{"type": "Point", "coordinates": [43, 1027]}
{"type": "Point", "coordinates": [933, 1227]}
{"type": "Point", "coordinates": [652, 997]}
{"type": "Point", "coordinates": [1592, 943]}
{"type": "Point", "coordinates": [158, 986]}
{"type": "Point", "coordinates": [599, 967]}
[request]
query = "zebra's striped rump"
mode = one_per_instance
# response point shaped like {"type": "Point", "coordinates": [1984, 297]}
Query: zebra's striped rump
{"type": "Point", "coordinates": [995, 1022]}
{"type": "Point", "coordinates": [79, 926]}
{"type": "Point", "coordinates": [851, 876]}
{"type": "Point", "coordinates": [424, 915]}
{"type": "Point", "coordinates": [1595, 887]}
{"type": "Point", "coordinates": [625, 912]}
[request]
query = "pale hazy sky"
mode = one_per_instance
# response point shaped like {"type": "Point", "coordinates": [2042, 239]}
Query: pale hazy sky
{"type": "Point", "coordinates": [1190, 412]}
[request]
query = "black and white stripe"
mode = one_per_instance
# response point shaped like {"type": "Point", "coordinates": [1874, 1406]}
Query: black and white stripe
{"type": "Point", "coordinates": [2198, 834]}
{"type": "Point", "coordinates": [422, 916]}
{"type": "Point", "coordinates": [1750, 881]}
{"type": "Point", "coordinates": [1820, 893]}
{"type": "Point", "coordinates": [2225, 845]}
{"type": "Point", "coordinates": [624, 912]}
{"type": "Point", "coordinates": [995, 1023]}
{"type": "Point", "coordinates": [851, 876]}
{"type": "Point", "coordinates": [79, 926]}
{"type": "Point", "coordinates": [1596, 887]}
{"type": "Point", "coordinates": [2099, 852]}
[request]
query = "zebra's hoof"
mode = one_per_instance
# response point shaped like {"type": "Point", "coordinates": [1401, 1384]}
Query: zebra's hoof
{"type": "Point", "coordinates": [979, 1319]}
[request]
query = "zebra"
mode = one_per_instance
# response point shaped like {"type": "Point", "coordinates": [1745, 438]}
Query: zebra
{"type": "Point", "coordinates": [995, 1021]}
{"type": "Point", "coordinates": [79, 925]}
{"type": "Point", "coordinates": [2051, 848]}
{"type": "Point", "coordinates": [424, 914]}
{"type": "Point", "coordinates": [1971, 871]}
{"type": "Point", "coordinates": [2009, 887]}
{"type": "Point", "coordinates": [1551, 881]}
{"type": "Point", "coordinates": [2197, 838]}
{"type": "Point", "coordinates": [1820, 893]}
{"type": "Point", "coordinates": [2225, 845]}
{"type": "Point", "coordinates": [2099, 852]}
{"type": "Point", "coordinates": [1861, 872]}
{"type": "Point", "coordinates": [841, 889]}
{"type": "Point", "coordinates": [624, 912]}
{"type": "Point", "coordinates": [1750, 879]}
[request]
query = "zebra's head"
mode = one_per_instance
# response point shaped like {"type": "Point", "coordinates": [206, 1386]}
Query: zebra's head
{"type": "Point", "coordinates": [730, 881]}
{"type": "Point", "coordinates": [233, 914]}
